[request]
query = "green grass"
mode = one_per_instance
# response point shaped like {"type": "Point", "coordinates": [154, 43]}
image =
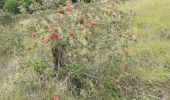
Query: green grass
{"type": "Point", "coordinates": [151, 25]}
{"type": "Point", "coordinates": [151, 54]}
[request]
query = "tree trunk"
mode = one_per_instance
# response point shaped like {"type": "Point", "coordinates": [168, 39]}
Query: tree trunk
{"type": "Point", "coordinates": [58, 55]}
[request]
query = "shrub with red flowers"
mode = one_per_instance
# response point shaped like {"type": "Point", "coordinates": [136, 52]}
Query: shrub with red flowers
{"type": "Point", "coordinates": [83, 43]}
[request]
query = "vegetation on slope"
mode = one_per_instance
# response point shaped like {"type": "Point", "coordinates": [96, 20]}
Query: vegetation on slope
{"type": "Point", "coordinates": [137, 69]}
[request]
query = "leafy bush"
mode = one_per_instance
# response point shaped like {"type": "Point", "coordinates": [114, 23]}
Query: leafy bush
{"type": "Point", "coordinates": [11, 6]}
{"type": "Point", "coordinates": [86, 46]}
{"type": "Point", "coordinates": [1, 4]}
{"type": "Point", "coordinates": [16, 7]}
{"type": "Point", "coordinates": [93, 42]}
{"type": "Point", "coordinates": [29, 5]}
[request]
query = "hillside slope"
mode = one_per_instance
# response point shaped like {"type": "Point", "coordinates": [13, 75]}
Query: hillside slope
{"type": "Point", "coordinates": [151, 25]}
{"type": "Point", "coordinates": [146, 74]}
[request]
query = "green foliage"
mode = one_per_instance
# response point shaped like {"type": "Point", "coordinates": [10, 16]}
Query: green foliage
{"type": "Point", "coordinates": [100, 61]}
{"type": "Point", "coordinates": [29, 5]}
{"type": "Point", "coordinates": [92, 54]}
{"type": "Point", "coordinates": [73, 70]}
{"type": "Point", "coordinates": [102, 43]}
{"type": "Point", "coordinates": [11, 6]}
{"type": "Point", "coordinates": [8, 41]}
{"type": "Point", "coordinates": [1, 4]}
{"type": "Point", "coordinates": [6, 19]}
{"type": "Point", "coordinates": [25, 3]}
{"type": "Point", "coordinates": [37, 64]}
{"type": "Point", "coordinates": [20, 6]}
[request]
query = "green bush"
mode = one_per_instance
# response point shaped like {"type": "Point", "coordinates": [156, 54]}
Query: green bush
{"type": "Point", "coordinates": [1, 3]}
{"type": "Point", "coordinates": [93, 49]}
{"type": "Point", "coordinates": [16, 6]}
{"type": "Point", "coordinates": [29, 5]}
{"type": "Point", "coordinates": [11, 6]}
{"type": "Point", "coordinates": [93, 45]}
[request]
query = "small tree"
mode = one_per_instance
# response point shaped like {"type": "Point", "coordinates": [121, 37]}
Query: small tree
{"type": "Point", "coordinates": [85, 43]}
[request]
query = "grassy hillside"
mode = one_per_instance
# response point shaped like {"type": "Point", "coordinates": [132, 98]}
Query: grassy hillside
{"type": "Point", "coordinates": [151, 25]}
{"type": "Point", "coordinates": [144, 72]}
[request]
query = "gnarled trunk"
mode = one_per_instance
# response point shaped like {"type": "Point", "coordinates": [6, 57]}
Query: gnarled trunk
{"type": "Point", "coordinates": [58, 54]}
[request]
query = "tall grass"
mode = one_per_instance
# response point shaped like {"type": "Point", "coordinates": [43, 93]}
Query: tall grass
{"type": "Point", "coordinates": [151, 25]}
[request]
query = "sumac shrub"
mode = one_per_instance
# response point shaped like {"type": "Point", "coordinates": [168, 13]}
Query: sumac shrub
{"type": "Point", "coordinates": [86, 42]}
